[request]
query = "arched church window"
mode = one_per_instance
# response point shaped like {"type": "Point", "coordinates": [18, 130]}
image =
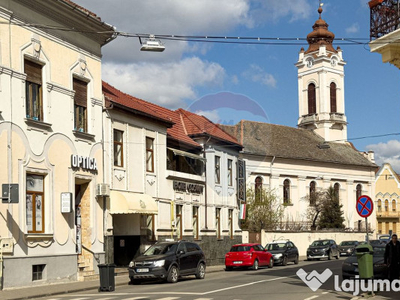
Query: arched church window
{"type": "Point", "coordinates": [358, 191]}
{"type": "Point", "coordinates": [312, 193]}
{"type": "Point", "coordinates": [336, 188]}
{"type": "Point", "coordinates": [333, 97]}
{"type": "Point", "coordinates": [286, 191]}
{"type": "Point", "coordinates": [312, 102]}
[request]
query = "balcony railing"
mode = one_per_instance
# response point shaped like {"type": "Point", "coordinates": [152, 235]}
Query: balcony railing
{"type": "Point", "coordinates": [384, 17]}
{"type": "Point", "coordinates": [387, 214]}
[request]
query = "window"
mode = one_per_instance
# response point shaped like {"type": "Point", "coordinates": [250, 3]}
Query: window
{"type": "Point", "coordinates": [118, 148]}
{"type": "Point", "coordinates": [379, 205]}
{"type": "Point", "coordinates": [149, 154]}
{"type": "Point", "coordinates": [393, 205]}
{"type": "Point", "coordinates": [218, 222]}
{"type": "Point", "coordinates": [33, 91]}
{"type": "Point", "coordinates": [178, 220]}
{"type": "Point", "coordinates": [379, 227]}
{"type": "Point", "coordinates": [358, 191]}
{"type": "Point", "coordinates": [336, 189]}
{"type": "Point", "coordinates": [35, 203]}
{"type": "Point", "coordinates": [312, 102]}
{"type": "Point", "coordinates": [230, 172]}
{"type": "Point", "coordinates": [217, 169]}
{"type": "Point", "coordinates": [80, 105]}
{"type": "Point", "coordinates": [313, 201]}
{"type": "Point", "coordinates": [195, 221]}
{"type": "Point", "coordinates": [286, 191]}
{"type": "Point", "coordinates": [333, 97]}
{"type": "Point", "coordinates": [258, 187]}
{"type": "Point", "coordinates": [386, 205]}
{"type": "Point", "coordinates": [37, 272]}
{"type": "Point", "coordinates": [147, 226]}
{"type": "Point", "coordinates": [230, 223]}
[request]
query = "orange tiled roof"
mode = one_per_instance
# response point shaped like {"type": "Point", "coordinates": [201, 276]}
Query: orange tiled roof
{"type": "Point", "coordinates": [81, 8]}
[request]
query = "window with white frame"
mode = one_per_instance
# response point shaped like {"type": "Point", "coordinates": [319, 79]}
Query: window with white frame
{"type": "Point", "coordinates": [33, 90]}
{"type": "Point", "coordinates": [149, 154]}
{"type": "Point", "coordinates": [35, 203]}
{"type": "Point", "coordinates": [80, 105]}
{"type": "Point", "coordinates": [118, 148]}
{"type": "Point", "coordinates": [217, 169]}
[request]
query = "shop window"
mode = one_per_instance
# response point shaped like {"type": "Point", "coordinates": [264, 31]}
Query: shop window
{"type": "Point", "coordinates": [230, 223]}
{"type": "Point", "coordinates": [218, 222]}
{"type": "Point", "coordinates": [33, 90]}
{"type": "Point", "coordinates": [217, 169]}
{"type": "Point", "coordinates": [80, 105]}
{"type": "Point", "coordinates": [312, 104]}
{"type": "Point", "coordinates": [118, 148]}
{"type": "Point", "coordinates": [178, 221]}
{"type": "Point", "coordinates": [149, 154]}
{"type": "Point", "coordinates": [147, 226]}
{"type": "Point", "coordinates": [195, 222]}
{"type": "Point", "coordinates": [35, 203]}
{"type": "Point", "coordinates": [230, 172]}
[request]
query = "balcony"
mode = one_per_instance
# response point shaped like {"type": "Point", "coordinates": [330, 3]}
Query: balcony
{"type": "Point", "coordinates": [384, 17]}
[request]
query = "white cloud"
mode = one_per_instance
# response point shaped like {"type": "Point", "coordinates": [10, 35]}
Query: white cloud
{"type": "Point", "coordinates": [167, 84]}
{"type": "Point", "coordinates": [387, 153]}
{"type": "Point", "coordinates": [257, 74]}
{"type": "Point", "coordinates": [355, 28]}
{"type": "Point", "coordinates": [212, 115]}
{"type": "Point", "coordinates": [274, 10]}
{"type": "Point", "coordinates": [235, 79]}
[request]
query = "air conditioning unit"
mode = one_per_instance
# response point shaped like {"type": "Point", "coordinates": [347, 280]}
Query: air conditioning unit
{"type": "Point", "coordinates": [103, 189]}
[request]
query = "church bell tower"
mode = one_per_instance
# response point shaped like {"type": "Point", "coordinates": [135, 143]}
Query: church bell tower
{"type": "Point", "coordinates": [321, 85]}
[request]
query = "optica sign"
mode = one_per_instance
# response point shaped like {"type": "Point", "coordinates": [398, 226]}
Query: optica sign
{"type": "Point", "coordinates": [86, 163]}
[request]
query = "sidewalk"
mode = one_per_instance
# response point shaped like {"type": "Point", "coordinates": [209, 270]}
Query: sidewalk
{"type": "Point", "coordinates": [121, 278]}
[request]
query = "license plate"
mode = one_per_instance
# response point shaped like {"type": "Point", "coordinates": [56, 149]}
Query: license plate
{"type": "Point", "coordinates": [343, 253]}
{"type": "Point", "coordinates": [237, 262]}
{"type": "Point", "coordinates": [142, 270]}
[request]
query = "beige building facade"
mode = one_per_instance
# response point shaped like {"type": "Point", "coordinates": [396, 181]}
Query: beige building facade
{"type": "Point", "coordinates": [51, 141]}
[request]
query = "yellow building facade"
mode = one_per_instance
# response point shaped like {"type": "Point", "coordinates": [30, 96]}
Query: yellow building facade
{"type": "Point", "coordinates": [387, 188]}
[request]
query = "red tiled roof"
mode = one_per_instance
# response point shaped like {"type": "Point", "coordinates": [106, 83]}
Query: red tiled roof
{"type": "Point", "coordinates": [84, 10]}
{"type": "Point", "coordinates": [113, 95]}
{"type": "Point", "coordinates": [198, 124]}
{"type": "Point", "coordinates": [185, 123]}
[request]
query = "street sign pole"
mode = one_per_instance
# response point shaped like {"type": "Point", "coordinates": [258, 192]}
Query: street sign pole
{"type": "Point", "coordinates": [366, 230]}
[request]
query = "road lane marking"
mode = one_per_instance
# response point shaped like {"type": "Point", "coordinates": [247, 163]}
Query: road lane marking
{"type": "Point", "coordinates": [246, 284]}
{"type": "Point", "coordinates": [312, 297]}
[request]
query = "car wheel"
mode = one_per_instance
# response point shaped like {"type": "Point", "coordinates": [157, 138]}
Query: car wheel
{"type": "Point", "coordinates": [329, 255]}
{"type": "Point", "coordinates": [173, 274]}
{"type": "Point", "coordinates": [271, 263]}
{"type": "Point", "coordinates": [284, 261]}
{"type": "Point", "coordinates": [255, 264]}
{"type": "Point", "coordinates": [228, 268]}
{"type": "Point", "coordinates": [296, 260]}
{"type": "Point", "coordinates": [201, 271]}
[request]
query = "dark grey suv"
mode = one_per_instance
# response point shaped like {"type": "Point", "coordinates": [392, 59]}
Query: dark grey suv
{"type": "Point", "coordinates": [168, 261]}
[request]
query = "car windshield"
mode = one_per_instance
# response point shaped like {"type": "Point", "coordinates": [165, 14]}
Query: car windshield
{"type": "Point", "coordinates": [240, 248]}
{"type": "Point", "coordinates": [320, 243]}
{"type": "Point", "coordinates": [379, 251]}
{"type": "Point", "coordinates": [161, 249]}
{"type": "Point", "coordinates": [348, 243]}
{"type": "Point", "coordinates": [276, 246]}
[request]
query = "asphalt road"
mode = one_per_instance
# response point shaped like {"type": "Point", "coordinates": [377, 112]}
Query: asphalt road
{"type": "Point", "coordinates": [280, 282]}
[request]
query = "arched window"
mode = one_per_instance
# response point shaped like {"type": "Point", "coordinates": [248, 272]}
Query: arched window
{"type": "Point", "coordinates": [393, 205]}
{"type": "Point", "coordinates": [312, 102]}
{"type": "Point", "coordinates": [333, 97]}
{"type": "Point", "coordinates": [358, 191]}
{"type": "Point", "coordinates": [336, 188]}
{"type": "Point", "coordinates": [379, 205]}
{"type": "Point", "coordinates": [312, 193]}
{"type": "Point", "coordinates": [386, 205]}
{"type": "Point", "coordinates": [258, 186]}
{"type": "Point", "coordinates": [286, 191]}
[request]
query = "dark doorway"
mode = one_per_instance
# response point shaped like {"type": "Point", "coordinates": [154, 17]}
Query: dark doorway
{"type": "Point", "coordinates": [126, 247]}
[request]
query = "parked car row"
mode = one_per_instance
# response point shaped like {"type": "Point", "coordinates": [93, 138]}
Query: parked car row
{"type": "Point", "coordinates": [170, 260]}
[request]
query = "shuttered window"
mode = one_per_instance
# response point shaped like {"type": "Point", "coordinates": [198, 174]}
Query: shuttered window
{"type": "Point", "coordinates": [333, 97]}
{"type": "Point", "coordinates": [80, 105]}
{"type": "Point", "coordinates": [33, 91]}
{"type": "Point", "coordinates": [312, 104]}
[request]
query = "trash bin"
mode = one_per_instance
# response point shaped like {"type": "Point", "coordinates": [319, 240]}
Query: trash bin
{"type": "Point", "coordinates": [107, 279]}
{"type": "Point", "coordinates": [364, 253]}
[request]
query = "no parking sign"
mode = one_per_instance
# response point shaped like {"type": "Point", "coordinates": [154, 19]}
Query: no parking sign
{"type": "Point", "coordinates": [364, 206]}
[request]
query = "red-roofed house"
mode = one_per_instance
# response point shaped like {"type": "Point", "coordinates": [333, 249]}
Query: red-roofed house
{"type": "Point", "coordinates": [179, 165]}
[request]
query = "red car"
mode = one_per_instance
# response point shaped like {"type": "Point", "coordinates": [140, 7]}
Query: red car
{"type": "Point", "coordinates": [248, 255]}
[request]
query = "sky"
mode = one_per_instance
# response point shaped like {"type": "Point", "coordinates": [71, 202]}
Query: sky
{"type": "Point", "coordinates": [261, 78]}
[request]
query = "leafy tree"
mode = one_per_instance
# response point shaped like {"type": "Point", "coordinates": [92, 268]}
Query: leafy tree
{"type": "Point", "coordinates": [332, 214]}
{"type": "Point", "coordinates": [316, 202]}
{"type": "Point", "coordinates": [263, 209]}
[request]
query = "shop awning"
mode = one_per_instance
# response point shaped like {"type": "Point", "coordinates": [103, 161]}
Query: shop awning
{"type": "Point", "coordinates": [132, 203]}
{"type": "Point", "coordinates": [187, 154]}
